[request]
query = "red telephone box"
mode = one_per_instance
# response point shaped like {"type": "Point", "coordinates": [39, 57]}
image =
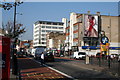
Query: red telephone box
{"type": "Point", "coordinates": [5, 53]}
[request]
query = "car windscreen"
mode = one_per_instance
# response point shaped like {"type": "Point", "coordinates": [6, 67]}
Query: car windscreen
{"type": "Point", "coordinates": [81, 53]}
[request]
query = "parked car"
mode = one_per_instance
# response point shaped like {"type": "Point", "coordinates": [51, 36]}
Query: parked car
{"type": "Point", "coordinates": [98, 55]}
{"type": "Point", "coordinates": [48, 56]}
{"type": "Point", "coordinates": [21, 54]}
{"type": "Point", "coordinates": [79, 55]}
{"type": "Point", "coordinates": [113, 56]}
{"type": "Point", "coordinates": [57, 54]}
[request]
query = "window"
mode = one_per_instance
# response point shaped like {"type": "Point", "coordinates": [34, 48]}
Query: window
{"type": "Point", "coordinates": [43, 34]}
{"type": "Point", "coordinates": [48, 26]}
{"type": "Point", "coordinates": [60, 23]}
{"type": "Point", "coordinates": [80, 19]}
{"type": "Point", "coordinates": [43, 26]}
{"type": "Point", "coordinates": [75, 27]}
{"type": "Point", "coordinates": [54, 23]}
{"type": "Point", "coordinates": [75, 35]}
{"type": "Point", "coordinates": [68, 30]}
{"type": "Point", "coordinates": [48, 30]}
{"type": "Point", "coordinates": [48, 22]}
{"type": "Point", "coordinates": [43, 42]}
{"type": "Point", "coordinates": [36, 27]}
{"type": "Point", "coordinates": [43, 38]}
{"type": "Point", "coordinates": [43, 30]}
{"type": "Point", "coordinates": [36, 35]}
{"type": "Point", "coordinates": [60, 27]}
{"type": "Point", "coordinates": [56, 31]}
{"type": "Point", "coordinates": [36, 39]}
{"type": "Point", "coordinates": [54, 27]}
{"type": "Point", "coordinates": [43, 22]}
{"type": "Point", "coordinates": [75, 43]}
{"type": "Point", "coordinates": [36, 31]}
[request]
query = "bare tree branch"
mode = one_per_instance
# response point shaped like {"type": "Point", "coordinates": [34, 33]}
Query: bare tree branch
{"type": "Point", "coordinates": [9, 27]}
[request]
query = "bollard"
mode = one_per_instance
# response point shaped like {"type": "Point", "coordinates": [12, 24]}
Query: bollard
{"type": "Point", "coordinates": [109, 61]}
{"type": "Point", "coordinates": [99, 62]}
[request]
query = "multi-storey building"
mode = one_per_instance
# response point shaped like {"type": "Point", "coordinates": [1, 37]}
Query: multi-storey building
{"type": "Point", "coordinates": [85, 29]}
{"type": "Point", "coordinates": [41, 28]}
{"type": "Point", "coordinates": [55, 40]}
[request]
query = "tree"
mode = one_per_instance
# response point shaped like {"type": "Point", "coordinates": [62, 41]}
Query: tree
{"type": "Point", "coordinates": [10, 32]}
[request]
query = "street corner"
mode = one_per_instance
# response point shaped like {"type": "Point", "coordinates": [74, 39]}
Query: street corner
{"type": "Point", "coordinates": [42, 73]}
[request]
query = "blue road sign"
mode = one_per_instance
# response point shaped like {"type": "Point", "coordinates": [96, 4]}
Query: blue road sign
{"type": "Point", "coordinates": [104, 40]}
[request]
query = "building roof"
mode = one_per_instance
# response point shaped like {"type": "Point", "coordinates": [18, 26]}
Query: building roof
{"type": "Point", "coordinates": [43, 22]}
{"type": "Point", "coordinates": [95, 14]}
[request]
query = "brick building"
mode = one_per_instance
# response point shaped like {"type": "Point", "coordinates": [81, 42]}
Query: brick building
{"type": "Point", "coordinates": [77, 35]}
{"type": "Point", "coordinates": [55, 40]}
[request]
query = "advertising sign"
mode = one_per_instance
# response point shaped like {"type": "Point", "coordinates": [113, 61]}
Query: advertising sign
{"type": "Point", "coordinates": [91, 26]}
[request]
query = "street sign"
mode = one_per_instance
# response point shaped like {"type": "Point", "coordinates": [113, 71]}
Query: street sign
{"type": "Point", "coordinates": [104, 40]}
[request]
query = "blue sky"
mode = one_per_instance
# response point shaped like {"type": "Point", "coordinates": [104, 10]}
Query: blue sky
{"type": "Point", "coordinates": [55, 11]}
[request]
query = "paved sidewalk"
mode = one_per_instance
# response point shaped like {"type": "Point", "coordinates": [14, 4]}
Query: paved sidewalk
{"type": "Point", "coordinates": [12, 77]}
{"type": "Point", "coordinates": [31, 70]}
{"type": "Point", "coordinates": [42, 73]}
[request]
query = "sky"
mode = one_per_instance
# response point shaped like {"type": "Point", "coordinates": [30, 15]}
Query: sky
{"type": "Point", "coordinates": [54, 11]}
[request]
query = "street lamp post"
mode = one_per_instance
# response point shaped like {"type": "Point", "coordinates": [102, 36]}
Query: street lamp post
{"type": "Point", "coordinates": [14, 60]}
{"type": "Point", "coordinates": [8, 6]}
{"type": "Point", "coordinates": [14, 16]}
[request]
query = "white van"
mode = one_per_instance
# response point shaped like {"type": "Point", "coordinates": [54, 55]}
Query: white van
{"type": "Point", "coordinates": [38, 52]}
{"type": "Point", "coordinates": [79, 55]}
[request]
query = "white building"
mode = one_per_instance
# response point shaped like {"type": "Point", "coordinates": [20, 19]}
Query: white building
{"type": "Point", "coordinates": [41, 28]}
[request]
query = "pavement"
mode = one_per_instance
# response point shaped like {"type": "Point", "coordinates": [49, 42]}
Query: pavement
{"type": "Point", "coordinates": [31, 70]}
{"type": "Point", "coordinates": [35, 71]}
{"type": "Point", "coordinates": [12, 76]}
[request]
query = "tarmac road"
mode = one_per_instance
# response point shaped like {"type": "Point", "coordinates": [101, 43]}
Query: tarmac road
{"type": "Point", "coordinates": [74, 69]}
{"type": "Point", "coordinates": [78, 69]}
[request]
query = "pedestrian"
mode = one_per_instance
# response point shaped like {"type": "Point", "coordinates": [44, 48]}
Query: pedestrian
{"type": "Point", "coordinates": [42, 58]}
{"type": "Point", "coordinates": [111, 57]}
{"type": "Point", "coordinates": [119, 58]}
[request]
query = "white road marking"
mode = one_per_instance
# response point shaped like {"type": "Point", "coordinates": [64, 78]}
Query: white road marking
{"type": "Point", "coordinates": [55, 70]}
{"type": "Point", "coordinates": [59, 72]}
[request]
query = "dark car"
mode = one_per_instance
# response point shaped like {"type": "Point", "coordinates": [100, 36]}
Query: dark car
{"type": "Point", "coordinates": [98, 55]}
{"type": "Point", "coordinates": [48, 56]}
{"type": "Point", "coordinates": [38, 56]}
{"type": "Point", "coordinates": [23, 50]}
{"type": "Point", "coordinates": [57, 55]}
{"type": "Point", "coordinates": [20, 54]}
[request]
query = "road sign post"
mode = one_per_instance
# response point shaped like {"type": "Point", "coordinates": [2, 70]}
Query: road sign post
{"type": "Point", "coordinates": [105, 48]}
{"type": "Point", "coordinates": [87, 56]}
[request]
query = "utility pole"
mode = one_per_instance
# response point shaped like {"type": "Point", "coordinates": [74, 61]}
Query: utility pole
{"type": "Point", "coordinates": [14, 16]}
{"type": "Point", "coordinates": [8, 6]}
